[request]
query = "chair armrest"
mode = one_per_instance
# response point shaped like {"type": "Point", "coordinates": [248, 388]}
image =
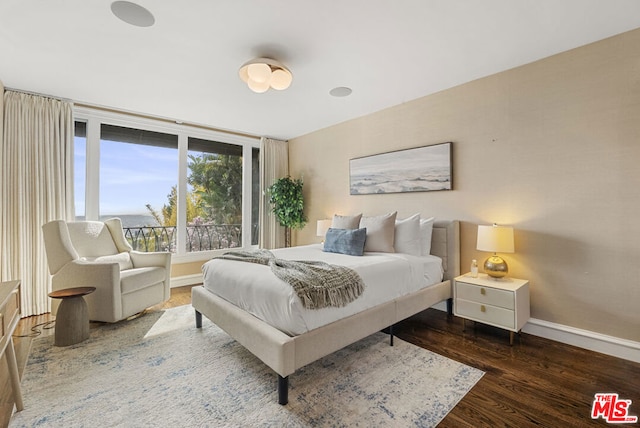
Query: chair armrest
{"type": "Point", "coordinates": [82, 273]}
{"type": "Point", "coordinates": [105, 277]}
{"type": "Point", "coordinates": [153, 259]}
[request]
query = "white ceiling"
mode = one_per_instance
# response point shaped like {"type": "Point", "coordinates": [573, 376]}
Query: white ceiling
{"type": "Point", "coordinates": [185, 66]}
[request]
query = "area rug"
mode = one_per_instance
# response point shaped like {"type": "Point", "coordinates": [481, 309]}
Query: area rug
{"type": "Point", "coordinates": [160, 371]}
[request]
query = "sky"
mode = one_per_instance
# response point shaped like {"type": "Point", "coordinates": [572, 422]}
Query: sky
{"type": "Point", "coordinates": [131, 176]}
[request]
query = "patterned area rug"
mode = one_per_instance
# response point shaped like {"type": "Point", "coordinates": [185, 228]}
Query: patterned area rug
{"type": "Point", "coordinates": [159, 370]}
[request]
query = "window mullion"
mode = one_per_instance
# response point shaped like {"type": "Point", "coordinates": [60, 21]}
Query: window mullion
{"type": "Point", "coordinates": [246, 195]}
{"type": "Point", "coordinates": [181, 226]}
{"type": "Point", "coordinates": [92, 185]}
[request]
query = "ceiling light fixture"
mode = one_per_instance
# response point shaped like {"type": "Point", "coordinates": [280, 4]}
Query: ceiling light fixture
{"type": "Point", "coordinates": [260, 74]}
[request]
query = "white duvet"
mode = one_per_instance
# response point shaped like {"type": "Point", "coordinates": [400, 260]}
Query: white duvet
{"type": "Point", "coordinates": [254, 288]}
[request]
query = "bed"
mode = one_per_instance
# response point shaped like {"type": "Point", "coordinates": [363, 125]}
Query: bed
{"type": "Point", "coordinates": [286, 352]}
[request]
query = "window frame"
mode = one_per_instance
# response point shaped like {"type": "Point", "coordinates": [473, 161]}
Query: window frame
{"type": "Point", "coordinates": [94, 117]}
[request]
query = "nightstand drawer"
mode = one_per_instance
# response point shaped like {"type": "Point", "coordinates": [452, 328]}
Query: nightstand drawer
{"type": "Point", "coordinates": [487, 314]}
{"type": "Point", "coordinates": [485, 295]}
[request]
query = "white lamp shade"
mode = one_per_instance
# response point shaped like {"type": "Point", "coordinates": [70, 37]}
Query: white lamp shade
{"type": "Point", "coordinates": [280, 79]}
{"type": "Point", "coordinates": [258, 87]}
{"type": "Point", "coordinates": [495, 239]}
{"type": "Point", "coordinates": [322, 227]}
{"type": "Point", "coordinates": [244, 73]}
{"type": "Point", "coordinates": [259, 72]}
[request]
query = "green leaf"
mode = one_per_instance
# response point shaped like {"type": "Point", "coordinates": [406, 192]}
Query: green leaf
{"type": "Point", "coordinates": [285, 196]}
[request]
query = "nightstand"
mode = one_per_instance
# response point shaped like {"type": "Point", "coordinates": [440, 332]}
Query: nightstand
{"type": "Point", "coordinates": [502, 303]}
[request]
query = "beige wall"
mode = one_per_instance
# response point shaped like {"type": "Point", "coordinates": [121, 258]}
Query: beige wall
{"type": "Point", "coordinates": [552, 148]}
{"type": "Point", "coordinates": [184, 269]}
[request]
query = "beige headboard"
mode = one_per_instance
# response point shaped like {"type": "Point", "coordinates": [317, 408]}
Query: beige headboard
{"type": "Point", "coordinates": [445, 243]}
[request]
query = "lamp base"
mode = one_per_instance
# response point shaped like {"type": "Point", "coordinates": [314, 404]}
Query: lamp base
{"type": "Point", "coordinates": [496, 267]}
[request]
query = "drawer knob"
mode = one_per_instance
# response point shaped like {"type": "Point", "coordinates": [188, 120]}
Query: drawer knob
{"type": "Point", "coordinates": [483, 291]}
{"type": "Point", "coordinates": [482, 308]}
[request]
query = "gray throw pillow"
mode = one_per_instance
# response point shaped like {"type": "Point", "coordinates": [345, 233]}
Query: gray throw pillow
{"type": "Point", "coordinates": [345, 241]}
{"type": "Point", "coordinates": [380, 232]}
{"type": "Point", "coordinates": [346, 221]}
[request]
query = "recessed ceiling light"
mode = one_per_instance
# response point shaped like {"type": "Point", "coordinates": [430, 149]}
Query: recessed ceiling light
{"type": "Point", "coordinates": [132, 13]}
{"type": "Point", "coordinates": [340, 91]}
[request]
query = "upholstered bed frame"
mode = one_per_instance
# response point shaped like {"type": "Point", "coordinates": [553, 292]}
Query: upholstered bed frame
{"type": "Point", "coordinates": [285, 354]}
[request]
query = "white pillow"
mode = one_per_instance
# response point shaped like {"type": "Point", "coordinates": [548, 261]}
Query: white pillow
{"type": "Point", "coordinates": [407, 236]}
{"type": "Point", "coordinates": [346, 221]}
{"type": "Point", "coordinates": [380, 232]}
{"type": "Point", "coordinates": [123, 259]}
{"type": "Point", "coordinates": [426, 230]}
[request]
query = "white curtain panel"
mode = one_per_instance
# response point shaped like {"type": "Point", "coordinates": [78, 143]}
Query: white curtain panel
{"type": "Point", "coordinates": [36, 167]}
{"type": "Point", "coordinates": [274, 164]}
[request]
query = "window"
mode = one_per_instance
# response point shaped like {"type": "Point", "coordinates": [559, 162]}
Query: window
{"type": "Point", "coordinates": [214, 195]}
{"type": "Point", "coordinates": [138, 169]}
{"type": "Point", "coordinates": [176, 188]}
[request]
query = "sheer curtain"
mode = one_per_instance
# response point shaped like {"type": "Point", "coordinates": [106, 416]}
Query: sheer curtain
{"type": "Point", "coordinates": [36, 167]}
{"type": "Point", "coordinates": [274, 164]}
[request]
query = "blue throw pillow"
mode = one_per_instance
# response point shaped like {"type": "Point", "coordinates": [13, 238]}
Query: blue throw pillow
{"type": "Point", "coordinates": [345, 241]}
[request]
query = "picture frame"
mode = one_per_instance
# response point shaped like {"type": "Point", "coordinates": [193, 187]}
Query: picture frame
{"type": "Point", "coordinates": [420, 169]}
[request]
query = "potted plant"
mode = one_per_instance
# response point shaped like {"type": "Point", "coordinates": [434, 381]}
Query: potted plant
{"type": "Point", "coordinates": [287, 203]}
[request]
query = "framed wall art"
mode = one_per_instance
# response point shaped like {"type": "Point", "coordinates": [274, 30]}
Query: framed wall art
{"type": "Point", "coordinates": [421, 169]}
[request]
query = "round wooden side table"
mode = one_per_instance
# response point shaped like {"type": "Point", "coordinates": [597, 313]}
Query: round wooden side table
{"type": "Point", "coordinates": [72, 319]}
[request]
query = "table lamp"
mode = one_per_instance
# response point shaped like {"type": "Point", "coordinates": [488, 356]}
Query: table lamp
{"type": "Point", "coordinates": [496, 239]}
{"type": "Point", "coordinates": [322, 226]}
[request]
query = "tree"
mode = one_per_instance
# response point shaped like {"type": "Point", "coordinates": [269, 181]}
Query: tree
{"type": "Point", "coordinates": [287, 203]}
{"type": "Point", "coordinates": [217, 181]}
{"type": "Point", "coordinates": [215, 200]}
{"type": "Point", "coordinates": [168, 216]}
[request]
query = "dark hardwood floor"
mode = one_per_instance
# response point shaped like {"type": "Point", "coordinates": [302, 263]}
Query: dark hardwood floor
{"type": "Point", "coordinates": [535, 382]}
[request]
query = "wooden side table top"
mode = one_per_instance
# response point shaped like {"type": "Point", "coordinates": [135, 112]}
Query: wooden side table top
{"type": "Point", "coordinates": [71, 292]}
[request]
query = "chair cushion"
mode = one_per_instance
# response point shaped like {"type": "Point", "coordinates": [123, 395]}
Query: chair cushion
{"type": "Point", "coordinates": [123, 259]}
{"type": "Point", "coordinates": [135, 279]}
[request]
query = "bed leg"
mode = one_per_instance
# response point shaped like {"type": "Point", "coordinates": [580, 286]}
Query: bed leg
{"type": "Point", "coordinates": [198, 320]}
{"type": "Point", "coordinates": [450, 307]}
{"type": "Point", "coordinates": [391, 335]}
{"type": "Point", "coordinates": [283, 390]}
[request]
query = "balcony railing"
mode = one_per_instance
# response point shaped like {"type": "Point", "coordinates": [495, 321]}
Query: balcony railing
{"type": "Point", "coordinates": [199, 238]}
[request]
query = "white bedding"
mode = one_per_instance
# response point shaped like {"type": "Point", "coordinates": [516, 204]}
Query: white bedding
{"type": "Point", "coordinates": [255, 289]}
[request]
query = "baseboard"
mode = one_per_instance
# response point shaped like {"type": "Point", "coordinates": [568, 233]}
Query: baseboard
{"type": "Point", "coordinates": [610, 345]}
{"type": "Point", "coordinates": [597, 342]}
{"type": "Point", "coordinates": [181, 281]}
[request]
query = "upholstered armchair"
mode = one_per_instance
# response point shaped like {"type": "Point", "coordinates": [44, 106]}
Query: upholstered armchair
{"type": "Point", "coordinates": [96, 254]}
